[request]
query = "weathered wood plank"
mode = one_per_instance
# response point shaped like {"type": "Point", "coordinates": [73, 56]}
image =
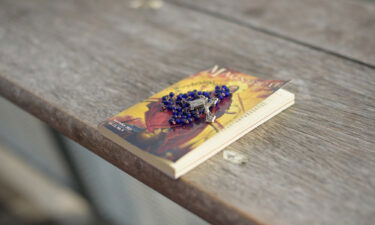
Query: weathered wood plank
{"type": "Point", "coordinates": [74, 63]}
{"type": "Point", "coordinates": [344, 27]}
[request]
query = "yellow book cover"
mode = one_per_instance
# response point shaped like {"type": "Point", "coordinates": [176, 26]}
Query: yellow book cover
{"type": "Point", "coordinates": [145, 125]}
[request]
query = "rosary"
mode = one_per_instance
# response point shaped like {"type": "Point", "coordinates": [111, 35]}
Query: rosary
{"type": "Point", "coordinates": [193, 105]}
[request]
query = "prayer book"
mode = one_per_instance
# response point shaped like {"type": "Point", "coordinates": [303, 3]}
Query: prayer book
{"type": "Point", "coordinates": [147, 130]}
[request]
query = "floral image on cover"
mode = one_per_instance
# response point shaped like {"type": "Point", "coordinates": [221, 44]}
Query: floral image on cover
{"type": "Point", "coordinates": [146, 126]}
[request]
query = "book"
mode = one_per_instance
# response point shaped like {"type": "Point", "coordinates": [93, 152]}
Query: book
{"type": "Point", "coordinates": [144, 129]}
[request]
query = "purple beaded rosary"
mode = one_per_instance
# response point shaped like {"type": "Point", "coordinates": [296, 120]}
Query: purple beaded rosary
{"type": "Point", "coordinates": [193, 105]}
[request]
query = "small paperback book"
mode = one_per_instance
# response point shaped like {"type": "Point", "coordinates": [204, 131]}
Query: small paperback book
{"type": "Point", "coordinates": [185, 124]}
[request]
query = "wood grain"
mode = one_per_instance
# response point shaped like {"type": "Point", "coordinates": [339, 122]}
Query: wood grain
{"type": "Point", "coordinates": [342, 27]}
{"type": "Point", "coordinates": [74, 63]}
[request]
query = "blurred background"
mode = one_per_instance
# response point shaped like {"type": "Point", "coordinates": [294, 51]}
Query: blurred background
{"type": "Point", "coordinates": [46, 178]}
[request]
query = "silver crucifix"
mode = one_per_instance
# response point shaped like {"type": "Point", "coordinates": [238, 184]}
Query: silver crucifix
{"type": "Point", "coordinates": [205, 103]}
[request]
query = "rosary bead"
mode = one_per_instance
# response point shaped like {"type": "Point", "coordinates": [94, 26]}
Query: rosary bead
{"type": "Point", "coordinates": [172, 121]}
{"type": "Point", "coordinates": [179, 106]}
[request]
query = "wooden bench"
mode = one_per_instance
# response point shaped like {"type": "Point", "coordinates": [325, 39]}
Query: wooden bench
{"type": "Point", "coordinates": [74, 63]}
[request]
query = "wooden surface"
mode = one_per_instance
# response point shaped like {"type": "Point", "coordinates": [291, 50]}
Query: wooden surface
{"type": "Point", "coordinates": [344, 28]}
{"type": "Point", "coordinates": [74, 63]}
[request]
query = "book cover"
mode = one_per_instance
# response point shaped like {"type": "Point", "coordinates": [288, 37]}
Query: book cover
{"type": "Point", "coordinates": [145, 125]}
